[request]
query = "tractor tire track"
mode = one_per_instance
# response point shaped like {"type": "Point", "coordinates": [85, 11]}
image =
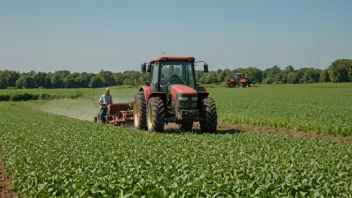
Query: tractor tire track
{"type": "Point", "coordinates": [5, 181]}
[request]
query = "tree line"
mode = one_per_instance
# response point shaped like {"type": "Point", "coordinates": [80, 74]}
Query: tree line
{"type": "Point", "coordinates": [339, 71]}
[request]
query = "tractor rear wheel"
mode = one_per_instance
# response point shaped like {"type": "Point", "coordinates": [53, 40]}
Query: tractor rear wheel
{"type": "Point", "coordinates": [139, 111]}
{"type": "Point", "coordinates": [155, 115]}
{"type": "Point", "coordinates": [210, 122]}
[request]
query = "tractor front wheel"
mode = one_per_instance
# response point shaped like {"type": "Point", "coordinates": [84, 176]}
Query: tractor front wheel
{"type": "Point", "coordinates": [210, 122]}
{"type": "Point", "coordinates": [139, 111]}
{"type": "Point", "coordinates": [155, 115]}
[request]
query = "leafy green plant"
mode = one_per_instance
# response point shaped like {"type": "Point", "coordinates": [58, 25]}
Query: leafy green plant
{"type": "Point", "coordinates": [317, 108]}
{"type": "Point", "coordinates": [51, 155]}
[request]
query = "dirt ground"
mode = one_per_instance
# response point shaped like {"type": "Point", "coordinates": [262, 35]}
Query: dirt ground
{"type": "Point", "coordinates": [4, 181]}
{"type": "Point", "coordinates": [236, 128]}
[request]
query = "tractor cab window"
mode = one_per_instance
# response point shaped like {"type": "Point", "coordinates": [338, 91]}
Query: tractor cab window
{"type": "Point", "coordinates": [154, 76]}
{"type": "Point", "coordinates": [177, 72]}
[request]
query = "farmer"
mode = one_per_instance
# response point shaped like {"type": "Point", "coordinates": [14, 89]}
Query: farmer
{"type": "Point", "coordinates": [104, 100]}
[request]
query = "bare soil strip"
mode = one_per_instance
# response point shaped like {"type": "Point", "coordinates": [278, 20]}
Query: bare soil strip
{"type": "Point", "coordinates": [226, 128]}
{"type": "Point", "coordinates": [5, 182]}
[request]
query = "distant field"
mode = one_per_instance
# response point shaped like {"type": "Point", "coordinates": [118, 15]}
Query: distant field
{"type": "Point", "coordinates": [323, 108]}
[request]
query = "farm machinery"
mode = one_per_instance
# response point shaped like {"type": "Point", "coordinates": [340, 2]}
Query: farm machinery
{"type": "Point", "coordinates": [119, 114]}
{"type": "Point", "coordinates": [171, 95]}
{"type": "Point", "coordinates": [237, 81]}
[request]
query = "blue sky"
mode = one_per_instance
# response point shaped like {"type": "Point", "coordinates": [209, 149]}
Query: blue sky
{"type": "Point", "coordinates": [86, 35]}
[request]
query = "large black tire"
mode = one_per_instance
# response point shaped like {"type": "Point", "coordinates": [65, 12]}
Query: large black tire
{"type": "Point", "coordinates": [186, 126]}
{"type": "Point", "coordinates": [155, 115]}
{"type": "Point", "coordinates": [140, 111]}
{"type": "Point", "coordinates": [210, 122]}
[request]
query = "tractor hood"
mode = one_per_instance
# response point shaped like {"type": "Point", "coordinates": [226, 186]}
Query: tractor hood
{"type": "Point", "coordinates": [184, 90]}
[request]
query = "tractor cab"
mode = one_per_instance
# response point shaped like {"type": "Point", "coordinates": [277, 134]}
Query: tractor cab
{"type": "Point", "coordinates": [238, 76]}
{"type": "Point", "coordinates": [176, 72]}
{"type": "Point", "coordinates": [166, 71]}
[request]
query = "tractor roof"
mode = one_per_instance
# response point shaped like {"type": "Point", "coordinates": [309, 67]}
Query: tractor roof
{"type": "Point", "coordinates": [175, 58]}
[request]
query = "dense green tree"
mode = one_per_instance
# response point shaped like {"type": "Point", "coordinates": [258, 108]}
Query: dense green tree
{"type": "Point", "coordinates": [96, 82]}
{"type": "Point", "coordinates": [8, 78]}
{"type": "Point", "coordinates": [341, 70]}
{"type": "Point", "coordinates": [107, 77]}
{"type": "Point", "coordinates": [69, 81]}
{"type": "Point", "coordinates": [26, 82]}
{"type": "Point", "coordinates": [311, 75]}
{"type": "Point", "coordinates": [324, 76]}
{"type": "Point", "coordinates": [270, 74]}
{"type": "Point", "coordinates": [292, 78]}
{"type": "Point", "coordinates": [210, 78]}
{"type": "Point", "coordinates": [63, 74]}
{"type": "Point", "coordinates": [118, 78]}
{"type": "Point", "coordinates": [82, 80]}
{"type": "Point", "coordinates": [56, 81]}
{"type": "Point", "coordinates": [254, 74]}
{"type": "Point", "coordinates": [40, 80]}
{"type": "Point", "coordinates": [221, 75]}
{"type": "Point", "coordinates": [281, 77]}
{"type": "Point", "coordinates": [229, 74]}
{"type": "Point", "coordinates": [289, 69]}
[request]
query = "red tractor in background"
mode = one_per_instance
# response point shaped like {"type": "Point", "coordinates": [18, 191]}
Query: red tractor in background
{"type": "Point", "coordinates": [237, 81]}
{"type": "Point", "coordinates": [172, 95]}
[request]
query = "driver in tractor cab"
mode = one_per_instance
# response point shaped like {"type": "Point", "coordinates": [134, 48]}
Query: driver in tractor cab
{"type": "Point", "coordinates": [173, 79]}
{"type": "Point", "coordinates": [177, 79]}
{"type": "Point", "coordinates": [104, 100]}
{"type": "Point", "coordinates": [176, 76]}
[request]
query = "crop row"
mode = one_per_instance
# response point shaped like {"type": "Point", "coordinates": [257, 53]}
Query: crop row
{"type": "Point", "coordinates": [52, 155]}
{"type": "Point", "coordinates": [32, 96]}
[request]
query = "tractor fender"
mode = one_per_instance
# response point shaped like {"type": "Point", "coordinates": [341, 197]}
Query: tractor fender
{"type": "Point", "coordinates": [148, 93]}
{"type": "Point", "coordinates": [147, 90]}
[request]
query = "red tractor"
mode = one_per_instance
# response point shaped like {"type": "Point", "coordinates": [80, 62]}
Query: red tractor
{"type": "Point", "coordinates": [172, 95]}
{"type": "Point", "coordinates": [238, 81]}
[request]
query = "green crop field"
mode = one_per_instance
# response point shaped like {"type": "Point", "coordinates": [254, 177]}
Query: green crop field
{"type": "Point", "coordinates": [50, 155]}
{"type": "Point", "coordinates": [53, 155]}
{"type": "Point", "coordinates": [322, 108]}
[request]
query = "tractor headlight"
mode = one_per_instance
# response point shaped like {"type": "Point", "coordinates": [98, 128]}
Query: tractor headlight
{"type": "Point", "coordinates": [182, 98]}
{"type": "Point", "coordinates": [194, 98]}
